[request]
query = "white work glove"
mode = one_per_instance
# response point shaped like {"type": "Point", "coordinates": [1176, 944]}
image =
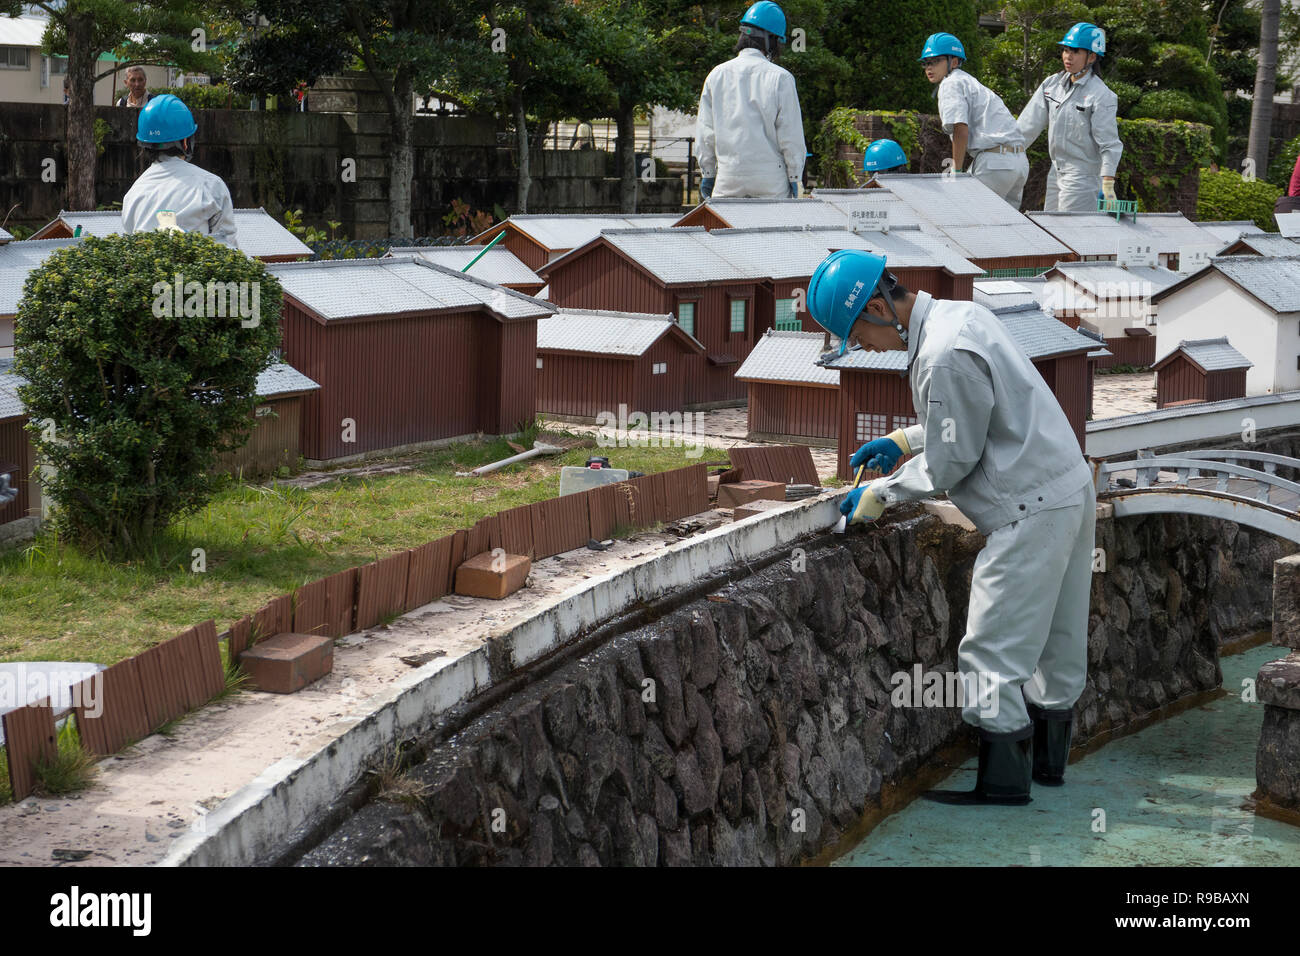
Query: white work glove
{"type": "Point", "coordinates": [1108, 188]}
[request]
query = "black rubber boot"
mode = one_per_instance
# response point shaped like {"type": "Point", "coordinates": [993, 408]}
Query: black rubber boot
{"type": "Point", "coordinates": [1004, 773]}
{"type": "Point", "coordinates": [1052, 732]}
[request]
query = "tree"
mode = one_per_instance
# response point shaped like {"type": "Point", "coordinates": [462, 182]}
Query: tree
{"type": "Point", "coordinates": [141, 354]}
{"type": "Point", "coordinates": [140, 31]}
{"type": "Point", "coordinates": [1261, 112]}
{"type": "Point", "coordinates": [1016, 61]}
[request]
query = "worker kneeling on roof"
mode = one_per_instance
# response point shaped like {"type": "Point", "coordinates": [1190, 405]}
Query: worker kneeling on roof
{"type": "Point", "coordinates": [992, 436]}
{"type": "Point", "coordinates": [173, 193]}
{"type": "Point", "coordinates": [1078, 109]}
{"type": "Point", "coordinates": [749, 130]}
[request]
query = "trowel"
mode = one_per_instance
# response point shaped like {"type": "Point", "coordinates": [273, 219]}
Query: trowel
{"type": "Point", "coordinates": [843, 524]}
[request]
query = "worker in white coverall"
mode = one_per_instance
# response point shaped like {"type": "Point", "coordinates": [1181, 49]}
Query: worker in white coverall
{"type": "Point", "coordinates": [1078, 110]}
{"type": "Point", "coordinates": [172, 192]}
{"type": "Point", "coordinates": [992, 436]}
{"type": "Point", "coordinates": [749, 130]}
{"type": "Point", "coordinates": [977, 120]}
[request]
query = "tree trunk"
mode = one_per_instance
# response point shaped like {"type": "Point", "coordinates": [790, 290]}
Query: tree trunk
{"type": "Point", "coordinates": [402, 170]}
{"type": "Point", "coordinates": [627, 170]}
{"type": "Point", "coordinates": [81, 155]}
{"type": "Point", "coordinates": [1261, 110]}
{"type": "Point", "coordinates": [524, 182]}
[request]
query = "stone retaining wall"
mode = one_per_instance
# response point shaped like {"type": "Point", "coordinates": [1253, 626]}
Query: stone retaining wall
{"type": "Point", "coordinates": [754, 725]}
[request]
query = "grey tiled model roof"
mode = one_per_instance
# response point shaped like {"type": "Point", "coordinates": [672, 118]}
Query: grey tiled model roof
{"type": "Point", "coordinates": [677, 255]}
{"type": "Point", "coordinates": [1101, 234]}
{"type": "Point", "coordinates": [1274, 281]}
{"type": "Point", "coordinates": [499, 265]}
{"type": "Point", "coordinates": [283, 379]}
{"type": "Point", "coordinates": [1097, 337]}
{"type": "Point", "coordinates": [894, 360]}
{"type": "Point", "coordinates": [19, 258]}
{"type": "Point", "coordinates": [1213, 355]}
{"type": "Point", "coordinates": [787, 254]}
{"type": "Point", "coordinates": [786, 213]}
{"type": "Point", "coordinates": [11, 406]}
{"type": "Point", "coordinates": [343, 288]}
{"type": "Point", "coordinates": [972, 216]}
{"type": "Point", "coordinates": [1054, 297]}
{"type": "Point", "coordinates": [786, 356]}
{"type": "Point", "coordinates": [604, 333]}
{"type": "Point", "coordinates": [1266, 244]}
{"type": "Point", "coordinates": [5, 235]}
{"type": "Point", "coordinates": [571, 231]}
{"type": "Point", "coordinates": [1226, 230]}
{"type": "Point", "coordinates": [256, 231]}
{"type": "Point", "coordinates": [1105, 280]}
{"type": "Point", "coordinates": [1040, 335]}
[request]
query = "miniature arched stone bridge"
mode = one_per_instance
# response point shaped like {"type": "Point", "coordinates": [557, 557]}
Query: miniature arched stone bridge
{"type": "Point", "coordinates": [1240, 486]}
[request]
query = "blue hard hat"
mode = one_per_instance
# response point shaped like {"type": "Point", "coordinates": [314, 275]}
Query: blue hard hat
{"type": "Point", "coordinates": [883, 154]}
{"type": "Point", "coordinates": [766, 15]}
{"type": "Point", "coordinates": [1085, 36]}
{"type": "Point", "coordinates": [840, 288]}
{"type": "Point", "coordinates": [942, 44]}
{"type": "Point", "coordinates": [165, 119]}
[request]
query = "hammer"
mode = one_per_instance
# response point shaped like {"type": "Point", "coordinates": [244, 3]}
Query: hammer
{"type": "Point", "coordinates": [842, 525]}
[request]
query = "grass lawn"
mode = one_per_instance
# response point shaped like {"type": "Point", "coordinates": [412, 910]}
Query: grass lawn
{"type": "Point", "coordinates": [59, 603]}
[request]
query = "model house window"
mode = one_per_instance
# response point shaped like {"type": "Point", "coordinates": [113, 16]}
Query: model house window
{"type": "Point", "coordinates": [539, 362]}
{"type": "Point", "coordinates": [787, 319]}
{"type": "Point", "coordinates": [13, 58]}
{"type": "Point", "coordinates": [659, 368]}
{"type": "Point", "coordinates": [686, 317]}
{"type": "Point", "coordinates": [903, 421]}
{"type": "Point", "coordinates": [58, 65]}
{"type": "Point", "coordinates": [871, 426]}
{"type": "Point", "coordinates": [738, 315]}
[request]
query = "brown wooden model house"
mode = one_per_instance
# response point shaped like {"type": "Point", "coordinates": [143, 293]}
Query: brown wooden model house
{"type": "Point", "coordinates": [277, 424]}
{"type": "Point", "coordinates": [537, 239]}
{"type": "Point", "coordinates": [406, 353]}
{"type": "Point", "coordinates": [791, 397]}
{"type": "Point", "coordinates": [591, 362]}
{"type": "Point", "coordinates": [498, 265]}
{"type": "Point", "coordinates": [257, 233]}
{"type": "Point", "coordinates": [1202, 370]}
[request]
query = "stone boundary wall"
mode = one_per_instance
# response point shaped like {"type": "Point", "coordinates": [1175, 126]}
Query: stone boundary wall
{"type": "Point", "coordinates": [286, 160]}
{"type": "Point", "coordinates": [771, 731]}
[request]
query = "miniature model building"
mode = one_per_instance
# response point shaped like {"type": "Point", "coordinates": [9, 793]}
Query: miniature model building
{"type": "Point", "coordinates": [791, 397]}
{"type": "Point", "coordinates": [257, 234]}
{"type": "Point", "coordinates": [406, 353]}
{"type": "Point", "coordinates": [1115, 300]}
{"type": "Point", "coordinates": [498, 265]}
{"type": "Point", "coordinates": [1099, 235]}
{"type": "Point", "coordinates": [537, 239]}
{"type": "Point", "coordinates": [1203, 370]}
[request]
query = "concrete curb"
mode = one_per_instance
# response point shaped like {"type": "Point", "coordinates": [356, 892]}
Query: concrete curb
{"type": "Point", "coordinates": [249, 824]}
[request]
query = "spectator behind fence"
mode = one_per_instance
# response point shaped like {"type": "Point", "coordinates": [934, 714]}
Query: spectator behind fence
{"type": "Point", "coordinates": [136, 95]}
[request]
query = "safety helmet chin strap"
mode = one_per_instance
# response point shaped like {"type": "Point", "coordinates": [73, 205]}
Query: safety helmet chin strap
{"type": "Point", "coordinates": [886, 294]}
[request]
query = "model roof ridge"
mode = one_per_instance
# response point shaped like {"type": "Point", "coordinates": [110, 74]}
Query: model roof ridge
{"type": "Point", "coordinates": [1254, 259]}
{"type": "Point", "coordinates": [1021, 307]}
{"type": "Point", "coordinates": [591, 313]}
{"type": "Point", "coordinates": [1221, 340]}
{"type": "Point", "coordinates": [792, 334]}
{"type": "Point", "coordinates": [584, 215]}
{"type": "Point", "coordinates": [756, 199]}
{"type": "Point", "coordinates": [645, 231]}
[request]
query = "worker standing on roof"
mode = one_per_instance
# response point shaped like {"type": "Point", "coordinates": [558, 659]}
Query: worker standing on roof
{"type": "Point", "coordinates": [992, 436]}
{"type": "Point", "coordinates": [977, 120]}
{"type": "Point", "coordinates": [173, 193]}
{"type": "Point", "coordinates": [1078, 110]}
{"type": "Point", "coordinates": [749, 130]}
{"type": "Point", "coordinates": [883, 156]}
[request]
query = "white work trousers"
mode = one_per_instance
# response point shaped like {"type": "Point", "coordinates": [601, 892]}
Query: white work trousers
{"type": "Point", "coordinates": [1004, 173]}
{"type": "Point", "coordinates": [1072, 188]}
{"type": "Point", "coordinates": [1028, 619]}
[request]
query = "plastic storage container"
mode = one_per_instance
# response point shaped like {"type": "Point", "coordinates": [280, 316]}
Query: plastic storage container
{"type": "Point", "coordinates": [575, 478]}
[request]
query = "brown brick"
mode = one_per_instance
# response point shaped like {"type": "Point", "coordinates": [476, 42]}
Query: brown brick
{"type": "Point", "coordinates": [741, 492]}
{"type": "Point", "coordinates": [288, 662]}
{"type": "Point", "coordinates": [476, 578]}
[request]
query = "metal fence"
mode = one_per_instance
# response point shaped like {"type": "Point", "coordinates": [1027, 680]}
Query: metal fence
{"type": "Point", "coordinates": [376, 248]}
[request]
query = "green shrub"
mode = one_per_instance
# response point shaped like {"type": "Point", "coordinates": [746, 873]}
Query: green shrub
{"type": "Point", "coordinates": [1283, 165]}
{"type": "Point", "coordinates": [131, 398]}
{"type": "Point", "coordinates": [203, 96]}
{"type": "Point", "coordinates": [1224, 195]}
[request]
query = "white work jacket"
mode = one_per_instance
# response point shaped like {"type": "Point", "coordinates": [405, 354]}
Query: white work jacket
{"type": "Point", "coordinates": [749, 130]}
{"type": "Point", "coordinates": [964, 99]}
{"type": "Point", "coordinates": [1080, 118]}
{"type": "Point", "coordinates": [989, 431]}
{"type": "Point", "coordinates": [200, 200]}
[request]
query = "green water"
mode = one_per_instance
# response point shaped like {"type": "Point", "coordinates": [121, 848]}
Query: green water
{"type": "Point", "coordinates": [1173, 794]}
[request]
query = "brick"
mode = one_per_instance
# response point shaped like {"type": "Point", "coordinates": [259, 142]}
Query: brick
{"type": "Point", "coordinates": [288, 662]}
{"type": "Point", "coordinates": [751, 508]}
{"type": "Point", "coordinates": [476, 578]}
{"type": "Point", "coordinates": [741, 492]}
